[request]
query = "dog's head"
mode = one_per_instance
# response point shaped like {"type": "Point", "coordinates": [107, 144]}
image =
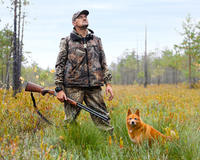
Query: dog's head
{"type": "Point", "coordinates": [133, 120]}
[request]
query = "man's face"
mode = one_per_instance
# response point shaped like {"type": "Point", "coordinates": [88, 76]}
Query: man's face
{"type": "Point", "coordinates": [81, 21]}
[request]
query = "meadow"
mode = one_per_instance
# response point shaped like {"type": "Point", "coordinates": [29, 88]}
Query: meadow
{"type": "Point", "coordinates": [173, 110]}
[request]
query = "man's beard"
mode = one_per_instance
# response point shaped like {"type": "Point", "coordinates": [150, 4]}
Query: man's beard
{"type": "Point", "coordinates": [84, 26]}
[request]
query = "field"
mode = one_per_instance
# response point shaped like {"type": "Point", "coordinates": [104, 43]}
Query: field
{"type": "Point", "coordinates": [173, 110]}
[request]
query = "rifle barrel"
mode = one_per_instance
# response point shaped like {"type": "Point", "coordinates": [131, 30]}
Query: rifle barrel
{"type": "Point", "coordinates": [105, 118]}
{"type": "Point", "coordinates": [71, 101]}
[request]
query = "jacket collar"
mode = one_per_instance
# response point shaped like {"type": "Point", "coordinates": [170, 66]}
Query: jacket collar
{"type": "Point", "coordinates": [76, 37]}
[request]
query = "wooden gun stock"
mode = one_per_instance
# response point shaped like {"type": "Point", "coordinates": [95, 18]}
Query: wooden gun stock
{"type": "Point", "coordinates": [32, 87]}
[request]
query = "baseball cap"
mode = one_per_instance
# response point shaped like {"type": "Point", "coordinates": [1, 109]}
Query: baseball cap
{"type": "Point", "coordinates": [86, 12]}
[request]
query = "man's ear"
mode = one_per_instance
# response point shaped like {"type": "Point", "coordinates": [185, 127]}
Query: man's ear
{"type": "Point", "coordinates": [74, 23]}
{"type": "Point", "coordinates": [137, 112]}
{"type": "Point", "coordinates": [129, 112]}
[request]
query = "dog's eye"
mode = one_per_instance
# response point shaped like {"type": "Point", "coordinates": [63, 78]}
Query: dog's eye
{"type": "Point", "coordinates": [130, 118]}
{"type": "Point", "coordinates": [135, 118]}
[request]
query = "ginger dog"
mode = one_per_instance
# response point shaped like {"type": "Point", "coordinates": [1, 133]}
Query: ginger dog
{"type": "Point", "coordinates": [138, 131]}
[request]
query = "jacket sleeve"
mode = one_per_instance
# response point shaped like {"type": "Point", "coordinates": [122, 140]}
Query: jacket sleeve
{"type": "Point", "coordinates": [60, 64]}
{"type": "Point", "coordinates": [106, 73]}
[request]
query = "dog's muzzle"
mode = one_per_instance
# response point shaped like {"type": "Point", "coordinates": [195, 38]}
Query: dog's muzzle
{"type": "Point", "coordinates": [132, 123]}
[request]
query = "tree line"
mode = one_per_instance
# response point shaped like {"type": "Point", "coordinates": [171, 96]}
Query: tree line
{"type": "Point", "coordinates": [180, 64]}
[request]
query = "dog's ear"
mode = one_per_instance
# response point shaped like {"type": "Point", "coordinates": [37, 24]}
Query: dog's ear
{"type": "Point", "coordinates": [129, 112]}
{"type": "Point", "coordinates": [137, 112]}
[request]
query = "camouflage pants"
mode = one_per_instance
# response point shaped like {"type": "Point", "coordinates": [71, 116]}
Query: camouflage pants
{"type": "Point", "coordinates": [93, 98]}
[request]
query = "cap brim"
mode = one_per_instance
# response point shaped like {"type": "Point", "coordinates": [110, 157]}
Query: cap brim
{"type": "Point", "coordinates": [86, 12]}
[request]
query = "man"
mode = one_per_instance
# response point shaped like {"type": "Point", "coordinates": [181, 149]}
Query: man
{"type": "Point", "coordinates": [81, 70]}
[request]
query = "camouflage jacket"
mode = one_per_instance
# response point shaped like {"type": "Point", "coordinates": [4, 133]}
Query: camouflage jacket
{"type": "Point", "coordinates": [81, 62]}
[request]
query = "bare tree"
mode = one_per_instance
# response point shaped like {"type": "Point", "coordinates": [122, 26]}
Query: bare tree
{"type": "Point", "coordinates": [145, 61]}
{"type": "Point", "coordinates": [16, 58]}
{"type": "Point", "coordinates": [18, 44]}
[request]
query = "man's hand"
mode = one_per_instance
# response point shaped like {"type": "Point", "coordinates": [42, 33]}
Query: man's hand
{"type": "Point", "coordinates": [61, 96]}
{"type": "Point", "coordinates": [109, 90]}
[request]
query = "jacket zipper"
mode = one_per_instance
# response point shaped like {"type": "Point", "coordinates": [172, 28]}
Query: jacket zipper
{"type": "Point", "coordinates": [88, 73]}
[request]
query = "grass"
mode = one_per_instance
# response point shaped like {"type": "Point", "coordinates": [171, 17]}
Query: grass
{"type": "Point", "coordinates": [24, 136]}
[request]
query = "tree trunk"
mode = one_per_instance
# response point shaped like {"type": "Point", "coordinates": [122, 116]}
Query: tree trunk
{"type": "Point", "coordinates": [145, 61]}
{"type": "Point", "coordinates": [158, 82]}
{"type": "Point", "coordinates": [15, 54]}
{"type": "Point", "coordinates": [19, 47]}
{"type": "Point", "coordinates": [2, 72]}
{"type": "Point", "coordinates": [138, 69]}
{"type": "Point", "coordinates": [173, 75]}
{"type": "Point", "coordinates": [7, 71]}
{"type": "Point", "coordinates": [190, 79]}
{"type": "Point", "coordinates": [176, 77]}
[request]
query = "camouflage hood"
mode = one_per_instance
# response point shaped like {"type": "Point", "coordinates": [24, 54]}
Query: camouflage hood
{"type": "Point", "coordinates": [81, 62]}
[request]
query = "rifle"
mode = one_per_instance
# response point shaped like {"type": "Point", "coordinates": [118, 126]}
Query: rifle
{"type": "Point", "coordinates": [31, 87]}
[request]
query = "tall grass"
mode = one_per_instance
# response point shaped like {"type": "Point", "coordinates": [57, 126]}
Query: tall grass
{"type": "Point", "coordinates": [171, 110]}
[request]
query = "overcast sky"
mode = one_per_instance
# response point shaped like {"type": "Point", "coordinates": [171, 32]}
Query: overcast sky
{"type": "Point", "coordinates": [119, 23]}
